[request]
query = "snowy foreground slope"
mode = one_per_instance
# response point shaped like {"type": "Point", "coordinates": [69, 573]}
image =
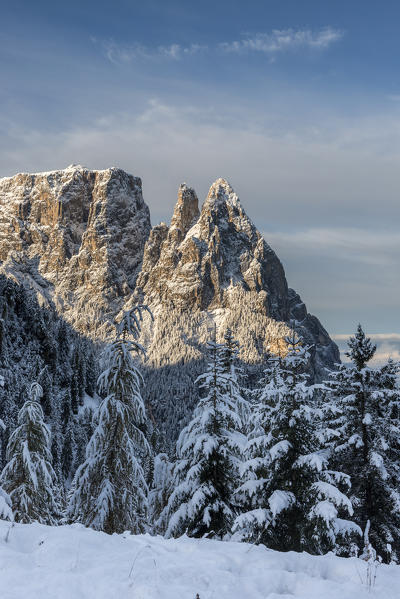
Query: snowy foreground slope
{"type": "Point", "coordinates": [73, 562]}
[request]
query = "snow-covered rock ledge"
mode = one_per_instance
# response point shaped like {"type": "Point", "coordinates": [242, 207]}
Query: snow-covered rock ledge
{"type": "Point", "coordinates": [72, 562]}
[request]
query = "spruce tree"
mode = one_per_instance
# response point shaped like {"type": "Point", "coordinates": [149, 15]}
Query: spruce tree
{"type": "Point", "coordinates": [230, 353]}
{"type": "Point", "coordinates": [109, 490]}
{"type": "Point", "coordinates": [364, 432]}
{"type": "Point", "coordinates": [68, 453]}
{"type": "Point", "coordinates": [28, 476]}
{"type": "Point", "coordinates": [5, 501]}
{"type": "Point", "coordinates": [46, 383]}
{"type": "Point", "coordinates": [206, 470]}
{"type": "Point", "coordinates": [74, 393]}
{"type": "Point", "coordinates": [5, 506]}
{"type": "Point", "coordinates": [290, 499]}
{"type": "Point", "coordinates": [160, 491]}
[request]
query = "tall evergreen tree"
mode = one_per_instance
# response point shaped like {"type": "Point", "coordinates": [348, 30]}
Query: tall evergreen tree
{"type": "Point", "coordinates": [230, 353]}
{"type": "Point", "coordinates": [206, 470]}
{"type": "Point", "coordinates": [365, 435]}
{"type": "Point", "coordinates": [290, 499]}
{"type": "Point", "coordinates": [74, 393]}
{"type": "Point", "coordinates": [68, 452]}
{"type": "Point", "coordinates": [5, 501]}
{"type": "Point", "coordinates": [46, 383]}
{"type": "Point", "coordinates": [161, 489]}
{"type": "Point", "coordinates": [28, 476]}
{"type": "Point", "coordinates": [109, 490]}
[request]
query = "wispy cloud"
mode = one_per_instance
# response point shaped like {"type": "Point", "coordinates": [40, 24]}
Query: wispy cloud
{"type": "Point", "coordinates": [125, 53]}
{"type": "Point", "coordinates": [284, 40]}
{"type": "Point", "coordinates": [271, 43]}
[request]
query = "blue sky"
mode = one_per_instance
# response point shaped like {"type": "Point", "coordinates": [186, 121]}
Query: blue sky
{"type": "Point", "coordinates": [296, 103]}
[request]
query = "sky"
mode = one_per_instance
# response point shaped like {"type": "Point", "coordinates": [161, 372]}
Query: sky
{"type": "Point", "coordinates": [296, 103]}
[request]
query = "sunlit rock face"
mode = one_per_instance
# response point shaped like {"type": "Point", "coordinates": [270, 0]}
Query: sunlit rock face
{"type": "Point", "coordinates": [77, 237]}
{"type": "Point", "coordinates": [82, 239]}
{"type": "Point", "coordinates": [213, 267]}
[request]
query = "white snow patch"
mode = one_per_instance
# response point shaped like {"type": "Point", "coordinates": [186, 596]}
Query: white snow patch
{"type": "Point", "coordinates": [70, 562]}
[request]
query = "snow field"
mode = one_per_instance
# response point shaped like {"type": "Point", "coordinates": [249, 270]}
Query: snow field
{"type": "Point", "coordinates": [73, 562]}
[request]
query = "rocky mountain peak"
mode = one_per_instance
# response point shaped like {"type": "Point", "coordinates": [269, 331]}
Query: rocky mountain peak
{"type": "Point", "coordinates": [221, 192]}
{"type": "Point", "coordinates": [82, 240]}
{"type": "Point", "coordinates": [223, 211]}
{"type": "Point", "coordinates": [221, 270]}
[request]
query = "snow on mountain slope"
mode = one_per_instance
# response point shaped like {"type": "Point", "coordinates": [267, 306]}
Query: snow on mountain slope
{"type": "Point", "coordinates": [72, 562]}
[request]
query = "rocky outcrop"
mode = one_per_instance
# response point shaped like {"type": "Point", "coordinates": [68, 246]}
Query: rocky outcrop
{"type": "Point", "coordinates": [76, 236]}
{"type": "Point", "coordinates": [197, 262]}
{"type": "Point", "coordinates": [214, 266]}
{"type": "Point", "coordinates": [83, 241]}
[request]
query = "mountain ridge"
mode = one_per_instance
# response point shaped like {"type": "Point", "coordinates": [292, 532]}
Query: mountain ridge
{"type": "Point", "coordinates": [82, 240]}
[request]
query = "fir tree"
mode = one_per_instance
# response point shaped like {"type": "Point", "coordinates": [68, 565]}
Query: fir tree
{"type": "Point", "coordinates": [5, 501]}
{"type": "Point", "coordinates": [5, 506]}
{"type": "Point", "coordinates": [290, 499]}
{"type": "Point", "coordinates": [56, 444]}
{"type": "Point", "coordinates": [365, 435]}
{"type": "Point", "coordinates": [230, 352]}
{"type": "Point", "coordinates": [68, 453]}
{"type": "Point", "coordinates": [74, 394]}
{"type": "Point", "coordinates": [66, 410]}
{"type": "Point", "coordinates": [160, 491]}
{"type": "Point", "coordinates": [28, 477]}
{"type": "Point", "coordinates": [109, 491]}
{"type": "Point", "coordinates": [46, 383]}
{"type": "Point", "coordinates": [206, 470]}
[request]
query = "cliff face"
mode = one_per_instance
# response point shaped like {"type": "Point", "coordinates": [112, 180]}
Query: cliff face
{"type": "Point", "coordinates": [83, 240]}
{"type": "Point", "coordinates": [77, 237]}
{"type": "Point", "coordinates": [196, 262]}
{"type": "Point", "coordinates": [214, 266]}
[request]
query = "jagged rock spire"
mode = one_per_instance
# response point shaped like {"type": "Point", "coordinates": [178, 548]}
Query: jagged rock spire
{"type": "Point", "coordinates": [186, 210]}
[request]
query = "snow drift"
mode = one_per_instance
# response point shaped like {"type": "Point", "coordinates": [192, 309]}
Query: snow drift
{"type": "Point", "coordinates": [73, 562]}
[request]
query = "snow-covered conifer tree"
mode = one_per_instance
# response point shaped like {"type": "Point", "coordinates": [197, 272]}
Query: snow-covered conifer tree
{"type": "Point", "coordinates": [28, 477]}
{"type": "Point", "coordinates": [230, 352]}
{"type": "Point", "coordinates": [160, 491]}
{"type": "Point", "coordinates": [5, 501]}
{"type": "Point", "coordinates": [68, 453]}
{"type": "Point", "coordinates": [109, 490]}
{"type": "Point", "coordinates": [206, 470]}
{"type": "Point", "coordinates": [5, 506]}
{"type": "Point", "coordinates": [365, 433]}
{"type": "Point", "coordinates": [290, 499]}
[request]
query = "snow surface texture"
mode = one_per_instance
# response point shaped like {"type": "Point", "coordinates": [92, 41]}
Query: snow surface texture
{"type": "Point", "coordinates": [75, 562]}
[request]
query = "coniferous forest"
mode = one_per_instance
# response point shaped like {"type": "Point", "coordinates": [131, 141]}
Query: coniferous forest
{"type": "Point", "coordinates": [285, 461]}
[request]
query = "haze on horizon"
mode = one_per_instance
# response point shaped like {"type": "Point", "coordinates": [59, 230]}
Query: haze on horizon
{"type": "Point", "coordinates": [296, 104]}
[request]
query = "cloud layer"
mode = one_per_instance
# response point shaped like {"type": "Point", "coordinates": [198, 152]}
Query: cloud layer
{"type": "Point", "coordinates": [118, 53]}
